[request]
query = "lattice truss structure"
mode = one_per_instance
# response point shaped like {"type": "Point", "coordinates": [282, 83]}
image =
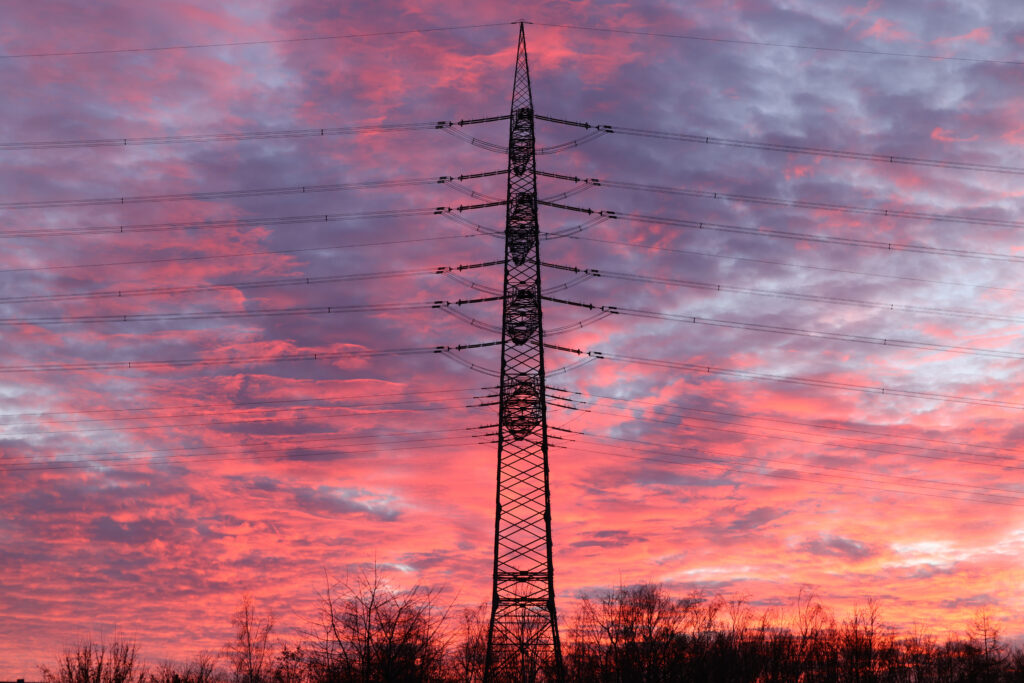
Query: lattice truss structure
{"type": "Point", "coordinates": [522, 641]}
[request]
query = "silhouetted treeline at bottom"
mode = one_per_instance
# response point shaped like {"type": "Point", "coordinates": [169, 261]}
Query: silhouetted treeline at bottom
{"type": "Point", "coordinates": [367, 631]}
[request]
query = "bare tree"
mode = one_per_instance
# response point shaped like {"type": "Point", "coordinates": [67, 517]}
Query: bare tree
{"type": "Point", "coordinates": [367, 630]}
{"type": "Point", "coordinates": [468, 658]}
{"type": "Point", "coordinates": [200, 669]}
{"type": "Point", "coordinates": [90, 662]}
{"type": "Point", "coordinates": [632, 633]}
{"type": "Point", "coordinates": [250, 652]}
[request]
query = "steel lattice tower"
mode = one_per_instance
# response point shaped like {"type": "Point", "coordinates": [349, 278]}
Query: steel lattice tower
{"type": "Point", "coordinates": [522, 640]}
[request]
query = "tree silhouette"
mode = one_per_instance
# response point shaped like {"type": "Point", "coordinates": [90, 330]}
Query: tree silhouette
{"type": "Point", "coordinates": [250, 652]}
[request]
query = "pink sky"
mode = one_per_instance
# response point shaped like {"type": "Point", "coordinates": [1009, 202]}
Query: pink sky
{"type": "Point", "coordinates": [190, 485]}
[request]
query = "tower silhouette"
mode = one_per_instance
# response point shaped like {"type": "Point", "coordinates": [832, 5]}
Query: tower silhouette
{"type": "Point", "coordinates": [522, 639]}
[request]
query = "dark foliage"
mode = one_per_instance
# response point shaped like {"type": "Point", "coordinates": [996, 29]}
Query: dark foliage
{"type": "Point", "coordinates": [368, 631]}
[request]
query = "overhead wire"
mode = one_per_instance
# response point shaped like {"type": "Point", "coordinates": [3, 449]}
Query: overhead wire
{"type": "Point", "coordinates": [389, 447]}
{"type": "Point", "coordinates": [224, 136]}
{"type": "Point", "coordinates": [793, 203]}
{"type": "Point", "coordinates": [787, 148]}
{"type": "Point", "coordinates": [325, 413]}
{"type": "Point", "coordinates": [790, 471]}
{"type": "Point", "coordinates": [770, 233]}
{"type": "Point", "coordinates": [308, 219]}
{"type": "Point", "coordinates": [238, 43]}
{"type": "Point", "coordinates": [221, 194]}
{"type": "Point", "coordinates": [215, 224]}
{"type": "Point", "coordinates": [830, 425]}
{"type": "Point", "coordinates": [707, 369]}
{"type": "Point", "coordinates": [795, 331]}
{"type": "Point", "coordinates": [238, 285]}
{"type": "Point", "coordinates": [795, 296]}
{"type": "Point", "coordinates": [241, 405]}
{"type": "Point", "coordinates": [786, 264]}
{"type": "Point", "coordinates": [220, 315]}
{"type": "Point", "coordinates": [200, 361]}
{"type": "Point", "coordinates": [276, 440]}
{"type": "Point", "coordinates": [538, 151]}
{"type": "Point", "coordinates": [794, 46]}
{"type": "Point", "coordinates": [780, 433]}
{"type": "Point", "coordinates": [919, 482]}
{"type": "Point", "coordinates": [269, 252]}
{"type": "Point", "coordinates": [576, 27]}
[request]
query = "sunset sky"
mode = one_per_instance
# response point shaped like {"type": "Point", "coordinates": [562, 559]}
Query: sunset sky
{"type": "Point", "coordinates": [855, 430]}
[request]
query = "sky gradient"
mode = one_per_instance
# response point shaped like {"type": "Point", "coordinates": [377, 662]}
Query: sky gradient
{"type": "Point", "coordinates": [148, 499]}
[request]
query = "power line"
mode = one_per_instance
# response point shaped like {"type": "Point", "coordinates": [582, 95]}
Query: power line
{"type": "Point", "coordinates": [204, 257]}
{"type": "Point", "coordinates": [240, 222]}
{"type": "Point", "coordinates": [880, 389]}
{"type": "Point", "coordinates": [813, 425]}
{"type": "Point", "coordinates": [268, 454]}
{"type": "Point", "coordinates": [236, 314]}
{"type": "Point", "coordinates": [598, 29]}
{"type": "Point", "coordinates": [794, 203]}
{"type": "Point", "coordinates": [852, 155]}
{"type": "Point", "coordinates": [269, 41]}
{"type": "Point", "coordinates": [213, 225]}
{"type": "Point", "coordinates": [793, 472]}
{"type": "Point", "coordinates": [221, 136]}
{"type": "Point", "coordinates": [221, 194]}
{"type": "Point", "coordinates": [251, 444]}
{"type": "Point", "coordinates": [258, 404]}
{"type": "Point", "coordinates": [212, 362]}
{"type": "Point", "coordinates": [864, 445]}
{"type": "Point", "coordinates": [221, 315]}
{"type": "Point", "coordinates": [803, 266]}
{"type": "Point", "coordinates": [794, 331]}
{"type": "Point", "coordinates": [794, 236]}
{"type": "Point", "coordinates": [867, 476]}
{"type": "Point", "coordinates": [243, 285]}
{"type": "Point", "coordinates": [256, 419]}
{"type": "Point", "coordinates": [795, 296]}
{"type": "Point", "coordinates": [917, 485]}
{"type": "Point", "coordinates": [795, 46]}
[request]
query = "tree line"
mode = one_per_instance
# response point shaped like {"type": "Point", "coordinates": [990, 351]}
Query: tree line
{"type": "Point", "coordinates": [366, 630]}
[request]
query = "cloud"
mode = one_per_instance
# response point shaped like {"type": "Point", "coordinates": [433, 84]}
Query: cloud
{"type": "Point", "coordinates": [748, 460]}
{"type": "Point", "coordinates": [837, 546]}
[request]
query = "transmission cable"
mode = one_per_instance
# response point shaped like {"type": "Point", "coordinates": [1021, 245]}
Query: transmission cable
{"type": "Point", "coordinates": [241, 222]}
{"type": "Point", "coordinates": [221, 315]}
{"type": "Point", "coordinates": [793, 149]}
{"type": "Point", "coordinates": [795, 236]}
{"type": "Point", "coordinates": [786, 264]}
{"type": "Point", "coordinates": [269, 41]}
{"type": "Point", "coordinates": [794, 46]}
{"type": "Point", "coordinates": [864, 445]}
{"type": "Point", "coordinates": [794, 331]}
{"type": "Point", "coordinates": [221, 137]}
{"type": "Point", "coordinates": [264, 454]}
{"type": "Point", "coordinates": [283, 440]}
{"type": "Point", "coordinates": [880, 389]}
{"type": "Point", "coordinates": [539, 151]}
{"type": "Point", "coordinates": [815, 425]}
{"type": "Point", "coordinates": [212, 362]}
{"type": "Point", "coordinates": [205, 257]}
{"type": "Point", "coordinates": [791, 471]}
{"type": "Point", "coordinates": [795, 203]}
{"type": "Point", "coordinates": [915, 481]}
{"type": "Point", "coordinates": [262, 404]}
{"type": "Point", "coordinates": [246, 285]}
{"type": "Point", "coordinates": [318, 414]}
{"type": "Point", "coordinates": [247, 192]}
{"type": "Point", "coordinates": [321, 414]}
{"type": "Point", "coordinates": [795, 296]}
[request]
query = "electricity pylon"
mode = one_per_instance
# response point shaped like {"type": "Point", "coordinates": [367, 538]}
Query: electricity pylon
{"type": "Point", "coordinates": [522, 640]}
